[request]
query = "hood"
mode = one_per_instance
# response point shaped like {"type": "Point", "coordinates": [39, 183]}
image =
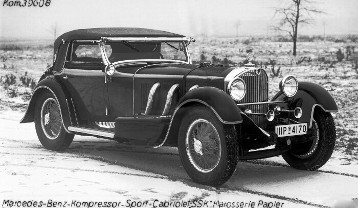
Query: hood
{"type": "Point", "coordinates": [167, 69]}
{"type": "Point", "coordinates": [211, 71]}
{"type": "Point", "coordinates": [193, 71]}
{"type": "Point", "coordinates": [186, 70]}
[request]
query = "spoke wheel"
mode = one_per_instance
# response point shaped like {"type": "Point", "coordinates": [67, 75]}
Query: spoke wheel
{"type": "Point", "coordinates": [203, 145]}
{"type": "Point", "coordinates": [49, 124]}
{"type": "Point", "coordinates": [208, 149]}
{"type": "Point", "coordinates": [51, 118]}
{"type": "Point", "coordinates": [314, 153]}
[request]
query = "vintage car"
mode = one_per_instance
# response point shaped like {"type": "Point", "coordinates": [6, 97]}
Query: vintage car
{"type": "Point", "coordinates": [138, 86]}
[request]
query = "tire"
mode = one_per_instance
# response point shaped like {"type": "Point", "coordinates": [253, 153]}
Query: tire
{"type": "Point", "coordinates": [213, 166]}
{"type": "Point", "coordinates": [49, 124]}
{"type": "Point", "coordinates": [314, 153]}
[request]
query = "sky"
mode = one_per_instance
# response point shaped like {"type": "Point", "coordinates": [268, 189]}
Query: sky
{"type": "Point", "coordinates": [188, 17]}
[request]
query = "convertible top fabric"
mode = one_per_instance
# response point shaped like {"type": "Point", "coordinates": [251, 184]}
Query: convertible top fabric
{"type": "Point", "coordinates": [97, 33]}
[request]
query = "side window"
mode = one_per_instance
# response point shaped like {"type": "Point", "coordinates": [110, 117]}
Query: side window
{"type": "Point", "coordinates": [87, 53]}
{"type": "Point", "coordinates": [173, 51]}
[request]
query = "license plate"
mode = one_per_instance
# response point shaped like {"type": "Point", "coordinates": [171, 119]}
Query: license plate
{"type": "Point", "coordinates": [291, 130]}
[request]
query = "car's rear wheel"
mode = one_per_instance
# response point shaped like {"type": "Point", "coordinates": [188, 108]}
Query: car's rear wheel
{"type": "Point", "coordinates": [318, 148]}
{"type": "Point", "coordinates": [49, 124]}
{"type": "Point", "coordinates": [207, 148]}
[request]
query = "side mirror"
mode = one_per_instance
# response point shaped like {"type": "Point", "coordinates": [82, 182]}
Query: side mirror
{"type": "Point", "coordinates": [110, 69]}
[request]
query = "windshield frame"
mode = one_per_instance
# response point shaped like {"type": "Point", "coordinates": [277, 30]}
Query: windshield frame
{"type": "Point", "coordinates": [184, 40]}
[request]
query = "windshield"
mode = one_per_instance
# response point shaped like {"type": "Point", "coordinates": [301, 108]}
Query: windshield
{"type": "Point", "coordinates": [140, 50]}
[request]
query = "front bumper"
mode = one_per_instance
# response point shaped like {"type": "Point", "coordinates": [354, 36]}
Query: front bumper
{"type": "Point", "coordinates": [258, 128]}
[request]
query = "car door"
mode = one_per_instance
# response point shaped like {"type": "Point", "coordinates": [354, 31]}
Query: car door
{"type": "Point", "coordinates": [84, 78]}
{"type": "Point", "coordinates": [120, 92]}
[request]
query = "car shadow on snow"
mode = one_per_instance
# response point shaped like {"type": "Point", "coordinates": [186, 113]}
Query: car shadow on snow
{"type": "Point", "coordinates": [166, 161]}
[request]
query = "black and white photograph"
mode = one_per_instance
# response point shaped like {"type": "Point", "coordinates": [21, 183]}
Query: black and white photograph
{"type": "Point", "coordinates": [179, 104]}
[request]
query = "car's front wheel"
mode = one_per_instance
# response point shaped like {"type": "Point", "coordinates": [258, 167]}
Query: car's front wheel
{"type": "Point", "coordinates": [49, 124]}
{"type": "Point", "coordinates": [207, 148]}
{"type": "Point", "coordinates": [318, 148]}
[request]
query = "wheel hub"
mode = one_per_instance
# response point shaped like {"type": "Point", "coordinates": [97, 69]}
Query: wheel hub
{"type": "Point", "coordinates": [47, 119]}
{"type": "Point", "coordinates": [203, 145]}
{"type": "Point", "coordinates": [198, 147]}
{"type": "Point", "coordinates": [51, 120]}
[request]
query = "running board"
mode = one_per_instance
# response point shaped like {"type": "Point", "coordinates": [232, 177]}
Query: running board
{"type": "Point", "coordinates": [260, 154]}
{"type": "Point", "coordinates": [91, 132]}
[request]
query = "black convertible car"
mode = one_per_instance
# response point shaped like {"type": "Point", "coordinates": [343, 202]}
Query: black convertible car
{"type": "Point", "coordinates": [139, 86]}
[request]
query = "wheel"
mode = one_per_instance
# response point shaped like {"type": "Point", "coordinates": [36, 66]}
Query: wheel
{"type": "Point", "coordinates": [318, 148]}
{"type": "Point", "coordinates": [208, 149]}
{"type": "Point", "coordinates": [49, 125]}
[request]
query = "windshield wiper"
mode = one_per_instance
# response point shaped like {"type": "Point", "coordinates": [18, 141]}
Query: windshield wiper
{"type": "Point", "coordinates": [172, 46]}
{"type": "Point", "coordinates": [130, 46]}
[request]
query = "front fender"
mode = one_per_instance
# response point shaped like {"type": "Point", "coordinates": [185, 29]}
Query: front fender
{"type": "Point", "coordinates": [51, 85]}
{"type": "Point", "coordinates": [308, 97]}
{"type": "Point", "coordinates": [217, 100]}
{"type": "Point", "coordinates": [220, 103]}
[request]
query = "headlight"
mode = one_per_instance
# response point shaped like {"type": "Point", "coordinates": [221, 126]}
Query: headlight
{"type": "Point", "coordinates": [237, 89]}
{"type": "Point", "coordinates": [289, 86]}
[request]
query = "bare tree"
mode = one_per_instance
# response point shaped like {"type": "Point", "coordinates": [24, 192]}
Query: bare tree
{"type": "Point", "coordinates": [237, 25]}
{"type": "Point", "coordinates": [296, 12]}
{"type": "Point", "coordinates": [54, 30]}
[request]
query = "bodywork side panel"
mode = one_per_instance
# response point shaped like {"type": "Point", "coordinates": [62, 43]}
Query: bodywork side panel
{"type": "Point", "coordinates": [166, 76]}
{"type": "Point", "coordinates": [88, 90]}
{"type": "Point", "coordinates": [145, 130]}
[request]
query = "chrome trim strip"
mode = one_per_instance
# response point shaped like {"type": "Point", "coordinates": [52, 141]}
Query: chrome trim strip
{"type": "Point", "coordinates": [187, 52]}
{"type": "Point", "coordinates": [140, 68]}
{"type": "Point", "coordinates": [107, 125]}
{"type": "Point", "coordinates": [149, 60]}
{"type": "Point", "coordinates": [146, 38]}
{"type": "Point", "coordinates": [87, 41]}
{"type": "Point", "coordinates": [193, 87]}
{"type": "Point", "coordinates": [291, 120]}
{"type": "Point", "coordinates": [68, 108]}
{"type": "Point", "coordinates": [104, 55]}
{"type": "Point", "coordinates": [203, 77]}
{"type": "Point", "coordinates": [257, 114]}
{"type": "Point", "coordinates": [237, 71]}
{"type": "Point", "coordinates": [64, 62]}
{"type": "Point", "coordinates": [74, 109]}
{"type": "Point", "coordinates": [150, 98]}
{"type": "Point", "coordinates": [259, 103]}
{"type": "Point", "coordinates": [159, 76]}
{"type": "Point", "coordinates": [168, 102]}
{"type": "Point", "coordinates": [185, 102]}
{"type": "Point", "coordinates": [139, 117]}
{"type": "Point", "coordinates": [263, 131]}
{"type": "Point", "coordinates": [176, 39]}
{"type": "Point", "coordinates": [74, 129]}
{"type": "Point", "coordinates": [312, 112]}
{"type": "Point", "coordinates": [88, 73]}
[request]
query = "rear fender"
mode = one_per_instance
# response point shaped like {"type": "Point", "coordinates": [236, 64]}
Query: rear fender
{"type": "Point", "coordinates": [51, 85]}
{"type": "Point", "coordinates": [309, 97]}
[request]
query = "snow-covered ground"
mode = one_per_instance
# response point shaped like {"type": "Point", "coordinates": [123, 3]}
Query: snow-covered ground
{"type": "Point", "coordinates": [94, 169]}
{"type": "Point", "coordinates": [100, 170]}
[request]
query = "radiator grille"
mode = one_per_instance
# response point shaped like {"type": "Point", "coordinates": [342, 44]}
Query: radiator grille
{"type": "Point", "coordinates": [256, 91]}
